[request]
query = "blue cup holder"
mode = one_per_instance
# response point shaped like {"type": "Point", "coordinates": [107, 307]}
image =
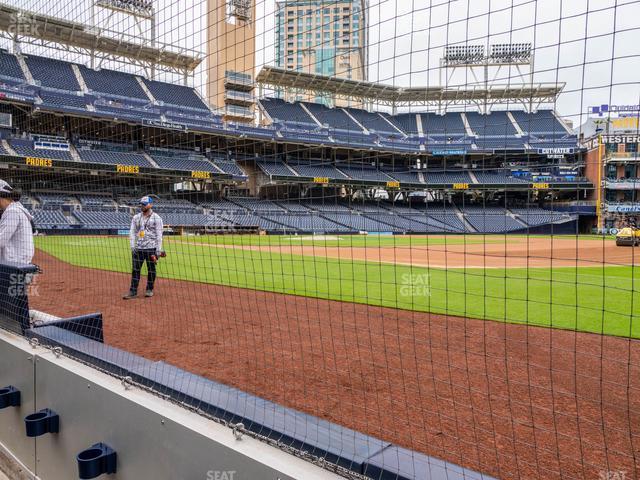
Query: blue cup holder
{"type": "Point", "coordinates": [44, 421]}
{"type": "Point", "coordinates": [96, 460]}
{"type": "Point", "coordinates": [9, 397]}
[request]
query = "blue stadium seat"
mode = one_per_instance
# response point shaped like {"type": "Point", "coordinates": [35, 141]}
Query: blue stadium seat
{"type": "Point", "coordinates": [275, 168]}
{"type": "Point", "coordinates": [50, 219]}
{"type": "Point", "coordinates": [255, 221]}
{"type": "Point", "coordinates": [534, 216]}
{"type": "Point", "coordinates": [114, 83]}
{"type": "Point", "coordinates": [52, 73]}
{"type": "Point", "coordinates": [57, 100]}
{"type": "Point", "coordinates": [96, 202]}
{"type": "Point", "coordinates": [494, 124]}
{"type": "Point", "coordinates": [450, 124]}
{"type": "Point", "coordinates": [257, 205]}
{"type": "Point", "coordinates": [407, 122]}
{"type": "Point", "coordinates": [360, 223]}
{"type": "Point", "coordinates": [184, 163]}
{"type": "Point", "coordinates": [316, 170]}
{"type": "Point", "coordinates": [229, 166]}
{"type": "Point", "coordinates": [27, 150]}
{"type": "Point", "coordinates": [113, 157]}
{"type": "Point", "coordinates": [103, 219]}
{"type": "Point", "coordinates": [224, 205]}
{"type": "Point", "coordinates": [485, 223]}
{"type": "Point", "coordinates": [543, 121]}
{"type": "Point", "coordinates": [179, 95]}
{"type": "Point", "coordinates": [286, 112]}
{"type": "Point", "coordinates": [9, 66]}
{"type": "Point", "coordinates": [334, 118]}
{"type": "Point", "coordinates": [373, 121]}
{"type": "Point", "coordinates": [446, 177]}
{"type": "Point", "coordinates": [404, 176]}
{"type": "Point", "coordinates": [363, 172]}
{"type": "Point", "coordinates": [309, 223]}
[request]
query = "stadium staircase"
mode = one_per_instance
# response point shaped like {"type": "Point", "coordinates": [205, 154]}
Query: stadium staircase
{"type": "Point", "coordinates": [25, 69]}
{"type": "Point", "coordinates": [8, 148]}
{"type": "Point", "coordinates": [311, 115]}
{"type": "Point", "coordinates": [516, 218]}
{"type": "Point", "coordinates": [393, 125]}
{"type": "Point", "coordinates": [474, 179]}
{"type": "Point", "coordinates": [519, 131]}
{"type": "Point", "coordinates": [146, 90]}
{"type": "Point", "coordinates": [419, 125]}
{"type": "Point", "coordinates": [74, 153]}
{"type": "Point", "coordinates": [354, 120]}
{"type": "Point", "coordinates": [467, 126]}
{"type": "Point", "coordinates": [467, 225]}
{"type": "Point", "coordinates": [80, 78]}
{"type": "Point", "coordinates": [150, 159]}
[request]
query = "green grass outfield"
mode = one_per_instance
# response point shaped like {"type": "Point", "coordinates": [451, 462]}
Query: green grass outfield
{"type": "Point", "coordinates": [590, 299]}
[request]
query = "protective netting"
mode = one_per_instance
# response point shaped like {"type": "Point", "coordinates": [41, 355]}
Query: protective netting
{"type": "Point", "coordinates": [397, 235]}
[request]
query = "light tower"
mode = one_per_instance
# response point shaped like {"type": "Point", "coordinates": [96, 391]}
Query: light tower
{"type": "Point", "coordinates": [231, 57]}
{"type": "Point", "coordinates": [486, 64]}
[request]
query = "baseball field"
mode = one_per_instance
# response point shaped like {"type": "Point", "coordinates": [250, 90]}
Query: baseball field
{"type": "Point", "coordinates": [584, 284]}
{"type": "Point", "coordinates": [440, 344]}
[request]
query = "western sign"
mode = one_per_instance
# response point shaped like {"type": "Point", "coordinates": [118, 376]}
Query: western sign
{"type": "Point", "coordinates": [620, 138]}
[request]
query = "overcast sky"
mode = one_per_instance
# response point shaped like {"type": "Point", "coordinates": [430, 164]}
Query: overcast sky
{"type": "Point", "coordinates": [591, 45]}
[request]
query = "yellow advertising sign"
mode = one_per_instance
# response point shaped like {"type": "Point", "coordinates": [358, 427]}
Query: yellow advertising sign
{"type": "Point", "coordinates": [321, 180]}
{"type": "Point", "coordinates": [39, 162]}
{"type": "Point", "coordinates": [540, 186]}
{"type": "Point", "coordinates": [199, 174]}
{"type": "Point", "coordinates": [127, 169]}
{"type": "Point", "coordinates": [461, 186]}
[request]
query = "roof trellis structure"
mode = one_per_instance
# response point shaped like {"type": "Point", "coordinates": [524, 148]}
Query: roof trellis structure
{"type": "Point", "coordinates": [536, 93]}
{"type": "Point", "coordinates": [35, 28]}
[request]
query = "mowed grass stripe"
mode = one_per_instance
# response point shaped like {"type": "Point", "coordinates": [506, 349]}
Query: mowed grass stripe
{"type": "Point", "coordinates": [590, 299]}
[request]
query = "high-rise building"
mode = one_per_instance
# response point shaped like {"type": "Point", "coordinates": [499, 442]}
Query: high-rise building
{"type": "Point", "coordinates": [231, 46]}
{"type": "Point", "coordinates": [322, 37]}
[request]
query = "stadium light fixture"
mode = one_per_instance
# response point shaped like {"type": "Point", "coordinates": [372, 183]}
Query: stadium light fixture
{"type": "Point", "coordinates": [511, 53]}
{"type": "Point", "coordinates": [138, 8]}
{"type": "Point", "coordinates": [464, 54]}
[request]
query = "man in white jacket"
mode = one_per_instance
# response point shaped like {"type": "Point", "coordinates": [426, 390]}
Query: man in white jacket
{"type": "Point", "coordinates": [145, 237]}
{"type": "Point", "coordinates": [16, 228]}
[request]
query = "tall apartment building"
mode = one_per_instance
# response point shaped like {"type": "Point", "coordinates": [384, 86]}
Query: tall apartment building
{"type": "Point", "coordinates": [322, 37]}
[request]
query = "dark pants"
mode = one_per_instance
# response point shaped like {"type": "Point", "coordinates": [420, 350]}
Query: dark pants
{"type": "Point", "coordinates": [139, 257]}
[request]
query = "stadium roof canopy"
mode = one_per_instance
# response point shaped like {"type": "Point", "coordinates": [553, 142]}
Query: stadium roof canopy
{"type": "Point", "coordinates": [536, 93]}
{"type": "Point", "coordinates": [20, 25]}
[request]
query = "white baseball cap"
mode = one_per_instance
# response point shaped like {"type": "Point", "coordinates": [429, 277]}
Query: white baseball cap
{"type": "Point", "coordinates": [5, 187]}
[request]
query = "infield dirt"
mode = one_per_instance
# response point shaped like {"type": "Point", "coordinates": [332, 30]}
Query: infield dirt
{"type": "Point", "coordinates": [513, 252]}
